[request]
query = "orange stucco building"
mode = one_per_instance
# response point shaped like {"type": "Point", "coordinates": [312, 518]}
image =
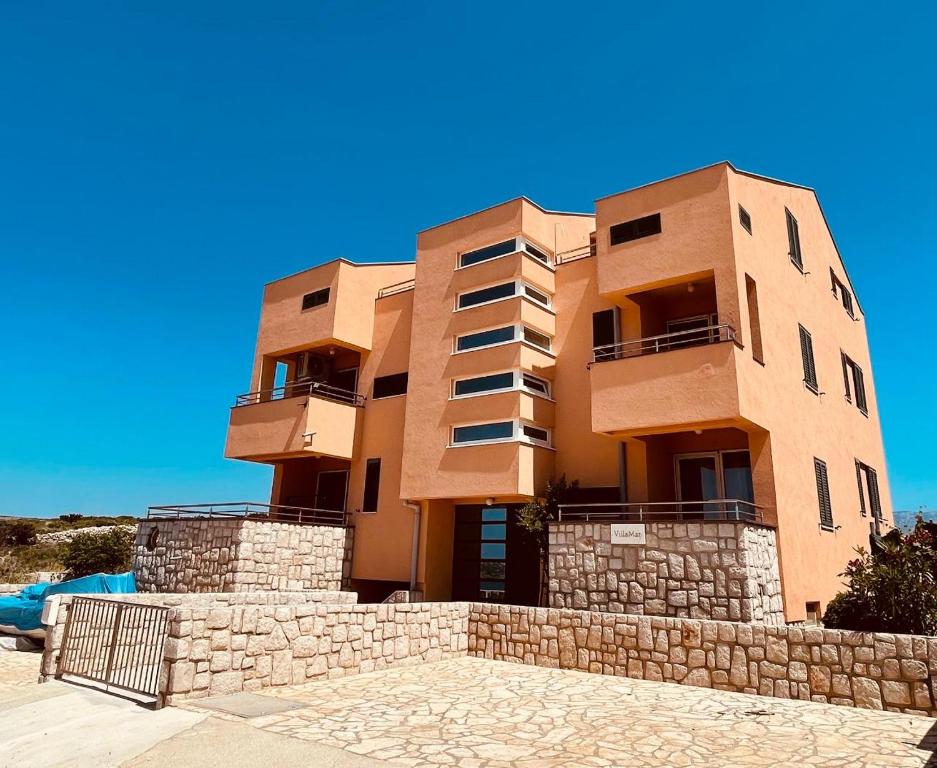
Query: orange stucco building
{"type": "Point", "coordinates": [693, 349]}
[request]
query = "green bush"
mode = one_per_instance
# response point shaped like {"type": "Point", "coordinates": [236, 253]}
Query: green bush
{"type": "Point", "coordinates": [108, 552]}
{"type": "Point", "coordinates": [15, 533]}
{"type": "Point", "coordinates": [891, 589]}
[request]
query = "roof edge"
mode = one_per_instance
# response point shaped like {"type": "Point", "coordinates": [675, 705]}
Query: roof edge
{"type": "Point", "coordinates": [342, 260]}
{"type": "Point", "coordinates": [520, 198]}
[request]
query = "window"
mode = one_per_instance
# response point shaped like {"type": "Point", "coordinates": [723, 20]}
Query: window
{"type": "Point", "coordinates": [793, 240]}
{"type": "Point", "coordinates": [390, 386]}
{"type": "Point", "coordinates": [810, 368]}
{"type": "Point", "coordinates": [535, 434]}
{"type": "Point", "coordinates": [497, 431]}
{"type": "Point", "coordinates": [634, 229]}
{"type": "Point", "coordinates": [535, 384]}
{"type": "Point", "coordinates": [745, 220]}
{"type": "Point", "coordinates": [841, 292]}
{"type": "Point", "coordinates": [536, 338]}
{"type": "Point", "coordinates": [853, 372]}
{"type": "Point", "coordinates": [372, 483]}
{"type": "Point", "coordinates": [495, 382]}
{"type": "Point", "coordinates": [823, 495]}
{"type": "Point", "coordinates": [497, 250]}
{"type": "Point", "coordinates": [502, 291]}
{"type": "Point", "coordinates": [605, 333]}
{"type": "Point", "coordinates": [316, 298]}
{"type": "Point", "coordinates": [754, 321]}
{"type": "Point", "coordinates": [867, 480]}
{"type": "Point", "coordinates": [486, 338]}
{"type": "Point", "coordinates": [491, 293]}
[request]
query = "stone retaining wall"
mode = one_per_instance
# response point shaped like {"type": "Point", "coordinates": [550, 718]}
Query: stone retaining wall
{"type": "Point", "coordinates": [724, 571]}
{"type": "Point", "coordinates": [218, 651]}
{"type": "Point", "coordinates": [870, 670]}
{"type": "Point", "coordinates": [240, 555]}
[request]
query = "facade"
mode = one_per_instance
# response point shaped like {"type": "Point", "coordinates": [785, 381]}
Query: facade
{"type": "Point", "coordinates": [691, 352]}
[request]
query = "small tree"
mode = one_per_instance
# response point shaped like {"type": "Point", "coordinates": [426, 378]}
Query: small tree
{"type": "Point", "coordinates": [893, 588]}
{"type": "Point", "coordinates": [534, 517]}
{"type": "Point", "coordinates": [16, 533]}
{"type": "Point", "coordinates": [107, 552]}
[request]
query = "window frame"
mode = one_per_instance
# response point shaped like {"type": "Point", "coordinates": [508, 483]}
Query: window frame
{"type": "Point", "coordinates": [518, 338]}
{"type": "Point", "coordinates": [517, 434]}
{"type": "Point", "coordinates": [822, 475]}
{"type": "Point", "coordinates": [806, 353]}
{"type": "Point", "coordinates": [517, 385]}
{"type": "Point", "coordinates": [522, 245]}
{"type": "Point", "coordinates": [376, 490]}
{"type": "Point", "coordinates": [327, 290]}
{"type": "Point", "coordinates": [521, 291]}
{"type": "Point", "coordinates": [870, 499]}
{"type": "Point", "coordinates": [842, 294]}
{"type": "Point", "coordinates": [635, 224]}
{"type": "Point", "coordinates": [795, 252]}
{"type": "Point", "coordinates": [375, 396]}
{"type": "Point", "coordinates": [852, 372]}
{"type": "Point", "coordinates": [743, 217]}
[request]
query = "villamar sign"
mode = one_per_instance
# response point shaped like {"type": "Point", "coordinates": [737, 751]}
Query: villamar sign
{"type": "Point", "coordinates": [629, 533]}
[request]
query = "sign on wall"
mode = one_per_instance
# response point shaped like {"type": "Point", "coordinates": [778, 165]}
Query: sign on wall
{"type": "Point", "coordinates": [629, 533]}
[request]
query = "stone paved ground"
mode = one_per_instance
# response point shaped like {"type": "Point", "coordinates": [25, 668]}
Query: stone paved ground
{"type": "Point", "coordinates": [476, 713]}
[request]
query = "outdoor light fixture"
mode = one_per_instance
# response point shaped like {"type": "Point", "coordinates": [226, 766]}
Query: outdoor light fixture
{"type": "Point", "coordinates": [489, 501]}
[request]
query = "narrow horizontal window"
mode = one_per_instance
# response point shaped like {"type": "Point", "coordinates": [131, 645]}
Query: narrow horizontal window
{"type": "Point", "coordinates": [390, 386]}
{"type": "Point", "coordinates": [535, 384]}
{"type": "Point", "coordinates": [487, 253]}
{"type": "Point", "coordinates": [634, 229]}
{"type": "Point", "coordinates": [745, 220]}
{"type": "Point", "coordinates": [536, 253]}
{"type": "Point", "coordinates": [476, 433]}
{"type": "Point", "coordinates": [316, 298]}
{"type": "Point", "coordinates": [483, 295]}
{"type": "Point", "coordinates": [486, 338]}
{"type": "Point", "coordinates": [534, 295]}
{"type": "Point", "coordinates": [535, 433]}
{"type": "Point", "coordinates": [536, 338]}
{"type": "Point", "coordinates": [491, 383]}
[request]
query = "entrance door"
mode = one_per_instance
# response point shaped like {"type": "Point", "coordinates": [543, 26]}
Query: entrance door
{"type": "Point", "coordinates": [331, 489]}
{"type": "Point", "coordinates": [698, 480]}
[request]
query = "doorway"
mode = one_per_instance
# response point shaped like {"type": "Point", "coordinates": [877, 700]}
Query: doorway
{"type": "Point", "coordinates": [713, 475]}
{"type": "Point", "coordinates": [332, 489]}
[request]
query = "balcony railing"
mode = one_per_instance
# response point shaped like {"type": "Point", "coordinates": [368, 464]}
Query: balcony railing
{"type": "Point", "coordinates": [734, 510]}
{"type": "Point", "coordinates": [390, 290]}
{"type": "Point", "coordinates": [574, 254]}
{"type": "Point", "coordinates": [300, 389]}
{"type": "Point", "coordinates": [710, 334]}
{"type": "Point", "coordinates": [250, 510]}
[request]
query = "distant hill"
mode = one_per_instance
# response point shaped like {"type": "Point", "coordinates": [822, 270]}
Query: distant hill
{"type": "Point", "coordinates": [904, 518]}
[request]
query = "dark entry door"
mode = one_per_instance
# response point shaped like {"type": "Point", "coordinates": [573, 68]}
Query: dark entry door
{"type": "Point", "coordinates": [492, 560]}
{"type": "Point", "coordinates": [331, 487]}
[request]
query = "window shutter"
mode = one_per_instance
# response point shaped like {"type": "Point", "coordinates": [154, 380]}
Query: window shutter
{"type": "Point", "coordinates": [875, 501]}
{"type": "Point", "coordinates": [845, 361]}
{"type": "Point", "coordinates": [823, 494]}
{"type": "Point", "coordinates": [793, 239]}
{"type": "Point", "coordinates": [859, 467]}
{"type": "Point", "coordinates": [806, 351]}
{"type": "Point", "coordinates": [859, 383]}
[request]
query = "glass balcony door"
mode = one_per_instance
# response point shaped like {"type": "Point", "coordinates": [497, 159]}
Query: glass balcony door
{"type": "Point", "coordinates": [703, 477]}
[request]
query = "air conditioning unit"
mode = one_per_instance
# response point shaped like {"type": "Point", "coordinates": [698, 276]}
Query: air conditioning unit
{"type": "Point", "coordinates": [313, 367]}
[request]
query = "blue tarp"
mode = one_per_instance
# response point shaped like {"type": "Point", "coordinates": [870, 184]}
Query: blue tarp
{"type": "Point", "coordinates": [23, 611]}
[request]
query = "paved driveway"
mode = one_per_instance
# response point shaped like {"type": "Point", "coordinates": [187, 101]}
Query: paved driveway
{"type": "Point", "coordinates": [476, 713]}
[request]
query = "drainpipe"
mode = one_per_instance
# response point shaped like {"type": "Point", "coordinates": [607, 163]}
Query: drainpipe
{"type": "Point", "coordinates": [415, 546]}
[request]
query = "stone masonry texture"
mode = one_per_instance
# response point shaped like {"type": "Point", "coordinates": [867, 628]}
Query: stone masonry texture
{"type": "Point", "coordinates": [239, 555]}
{"type": "Point", "coordinates": [705, 570]}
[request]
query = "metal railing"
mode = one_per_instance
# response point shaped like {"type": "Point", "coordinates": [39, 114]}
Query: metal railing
{"type": "Point", "coordinates": [583, 252]}
{"type": "Point", "coordinates": [303, 388]}
{"type": "Point", "coordinates": [252, 510]}
{"type": "Point", "coordinates": [390, 290]}
{"type": "Point", "coordinates": [710, 334]}
{"type": "Point", "coordinates": [651, 511]}
{"type": "Point", "coordinates": [117, 644]}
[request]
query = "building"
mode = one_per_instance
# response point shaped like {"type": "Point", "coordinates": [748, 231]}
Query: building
{"type": "Point", "coordinates": [693, 350]}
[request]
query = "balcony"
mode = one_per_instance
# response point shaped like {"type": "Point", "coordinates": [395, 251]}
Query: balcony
{"type": "Point", "coordinates": [666, 382]}
{"type": "Point", "coordinates": [250, 510]}
{"type": "Point", "coordinates": [297, 419]}
{"type": "Point", "coordinates": [714, 510]}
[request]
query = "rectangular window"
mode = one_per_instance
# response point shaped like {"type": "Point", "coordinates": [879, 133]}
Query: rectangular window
{"type": "Point", "coordinates": [853, 373]}
{"type": "Point", "coordinates": [483, 433]}
{"type": "Point", "coordinates": [793, 240]}
{"type": "Point", "coordinates": [390, 386]}
{"type": "Point", "coordinates": [483, 295]}
{"type": "Point", "coordinates": [536, 338]}
{"type": "Point", "coordinates": [316, 298]}
{"type": "Point", "coordinates": [494, 382]}
{"type": "Point", "coordinates": [867, 480]}
{"type": "Point", "coordinates": [823, 495]}
{"type": "Point", "coordinates": [745, 220]}
{"type": "Point", "coordinates": [754, 320]}
{"type": "Point", "coordinates": [534, 295]}
{"type": "Point", "coordinates": [497, 250]}
{"type": "Point", "coordinates": [535, 384]}
{"type": "Point", "coordinates": [535, 434]}
{"type": "Point", "coordinates": [372, 483]}
{"type": "Point", "coordinates": [841, 292]}
{"type": "Point", "coordinates": [810, 368]}
{"type": "Point", "coordinates": [635, 229]}
{"type": "Point", "coordinates": [486, 338]}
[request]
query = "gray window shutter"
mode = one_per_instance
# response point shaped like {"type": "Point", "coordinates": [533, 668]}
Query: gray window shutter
{"type": "Point", "coordinates": [874, 500]}
{"type": "Point", "coordinates": [859, 470]}
{"type": "Point", "coordinates": [823, 494]}
{"type": "Point", "coordinates": [806, 351]}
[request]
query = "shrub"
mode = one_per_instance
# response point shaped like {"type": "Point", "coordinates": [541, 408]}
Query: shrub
{"type": "Point", "coordinates": [893, 588]}
{"type": "Point", "coordinates": [108, 552]}
{"type": "Point", "coordinates": [534, 517]}
{"type": "Point", "coordinates": [15, 533]}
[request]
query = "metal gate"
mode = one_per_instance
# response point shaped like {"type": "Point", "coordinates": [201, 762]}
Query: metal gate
{"type": "Point", "coordinates": [117, 644]}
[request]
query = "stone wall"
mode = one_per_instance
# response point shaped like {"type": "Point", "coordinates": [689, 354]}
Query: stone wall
{"type": "Point", "coordinates": [724, 571]}
{"type": "Point", "coordinates": [226, 650]}
{"type": "Point", "coordinates": [870, 670]}
{"type": "Point", "coordinates": [240, 555]}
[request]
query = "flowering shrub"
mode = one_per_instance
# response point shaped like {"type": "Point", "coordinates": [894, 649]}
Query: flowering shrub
{"type": "Point", "coordinates": [893, 588]}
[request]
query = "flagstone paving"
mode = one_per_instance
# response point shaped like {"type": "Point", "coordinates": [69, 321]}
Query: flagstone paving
{"type": "Point", "coordinates": [477, 713]}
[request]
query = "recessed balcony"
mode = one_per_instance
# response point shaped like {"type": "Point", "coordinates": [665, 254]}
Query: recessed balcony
{"type": "Point", "coordinates": [297, 419]}
{"type": "Point", "coordinates": [670, 381]}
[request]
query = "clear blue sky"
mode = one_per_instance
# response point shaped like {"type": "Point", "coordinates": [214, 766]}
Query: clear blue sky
{"type": "Point", "coordinates": [160, 161]}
